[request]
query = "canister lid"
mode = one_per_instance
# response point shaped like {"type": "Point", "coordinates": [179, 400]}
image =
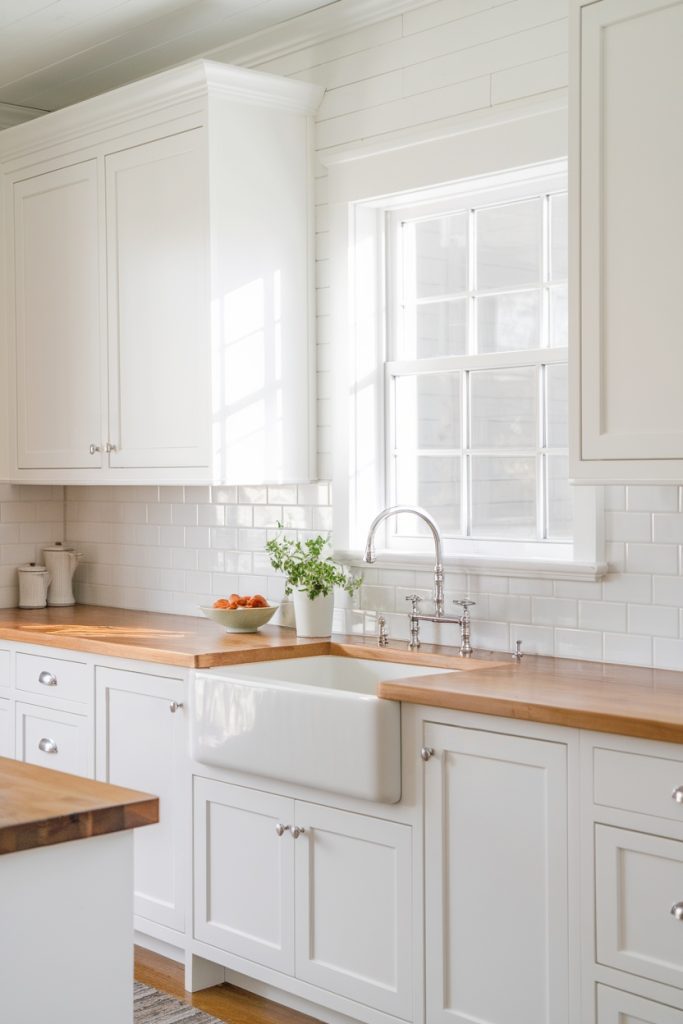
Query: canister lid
{"type": "Point", "coordinates": [32, 567]}
{"type": "Point", "coordinates": [57, 546]}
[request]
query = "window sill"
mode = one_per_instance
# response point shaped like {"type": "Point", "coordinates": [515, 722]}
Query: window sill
{"type": "Point", "coordinates": [482, 565]}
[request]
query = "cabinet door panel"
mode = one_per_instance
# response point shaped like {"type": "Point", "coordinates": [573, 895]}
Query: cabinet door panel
{"type": "Point", "coordinates": [244, 873]}
{"type": "Point", "coordinates": [57, 318]}
{"type": "Point", "coordinates": [157, 258]}
{"type": "Point", "coordinates": [615, 1007]}
{"type": "Point", "coordinates": [631, 225]}
{"type": "Point", "coordinates": [495, 878]}
{"type": "Point", "coordinates": [6, 729]}
{"type": "Point", "coordinates": [638, 879]}
{"type": "Point", "coordinates": [141, 745]}
{"type": "Point", "coordinates": [354, 920]}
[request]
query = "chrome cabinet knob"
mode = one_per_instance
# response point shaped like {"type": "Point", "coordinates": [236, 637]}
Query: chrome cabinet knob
{"type": "Point", "coordinates": [49, 746]}
{"type": "Point", "coordinates": [109, 448]}
{"type": "Point", "coordinates": [297, 831]}
{"type": "Point", "coordinates": [47, 678]}
{"type": "Point", "coordinates": [281, 829]}
{"type": "Point", "coordinates": [426, 753]}
{"type": "Point", "coordinates": [175, 705]}
{"type": "Point", "coordinates": [677, 911]}
{"type": "Point", "coordinates": [94, 449]}
{"type": "Point", "coordinates": [677, 795]}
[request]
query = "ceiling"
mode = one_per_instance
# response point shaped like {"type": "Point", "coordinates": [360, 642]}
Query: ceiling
{"type": "Point", "coordinates": [57, 52]}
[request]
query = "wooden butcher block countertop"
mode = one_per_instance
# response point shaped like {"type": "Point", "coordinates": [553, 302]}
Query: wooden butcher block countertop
{"type": "Point", "coordinates": [588, 695]}
{"type": "Point", "coordinates": [41, 807]}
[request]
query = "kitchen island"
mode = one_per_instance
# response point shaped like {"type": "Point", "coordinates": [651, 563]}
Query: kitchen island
{"type": "Point", "coordinates": [66, 893]}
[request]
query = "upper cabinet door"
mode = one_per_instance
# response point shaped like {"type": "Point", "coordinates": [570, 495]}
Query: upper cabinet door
{"type": "Point", "coordinates": [628, 144]}
{"type": "Point", "coordinates": [57, 319]}
{"type": "Point", "coordinates": [157, 265]}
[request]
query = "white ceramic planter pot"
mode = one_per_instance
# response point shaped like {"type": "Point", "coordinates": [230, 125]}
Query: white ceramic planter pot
{"type": "Point", "coordinates": [313, 617]}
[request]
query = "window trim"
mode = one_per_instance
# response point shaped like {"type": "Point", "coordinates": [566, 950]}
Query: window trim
{"type": "Point", "coordinates": [356, 209]}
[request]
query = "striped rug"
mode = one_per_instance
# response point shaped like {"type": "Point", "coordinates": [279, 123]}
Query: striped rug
{"type": "Point", "coordinates": [154, 1007]}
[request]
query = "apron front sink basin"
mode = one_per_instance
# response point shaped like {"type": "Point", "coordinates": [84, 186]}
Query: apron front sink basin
{"type": "Point", "coordinates": [307, 721]}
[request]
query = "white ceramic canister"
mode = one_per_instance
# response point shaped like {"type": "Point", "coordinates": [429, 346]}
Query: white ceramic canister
{"type": "Point", "coordinates": [61, 563]}
{"type": "Point", "coordinates": [33, 583]}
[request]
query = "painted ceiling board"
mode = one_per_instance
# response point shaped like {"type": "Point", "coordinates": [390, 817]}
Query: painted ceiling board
{"type": "Point", "coordinates": [57, 52]}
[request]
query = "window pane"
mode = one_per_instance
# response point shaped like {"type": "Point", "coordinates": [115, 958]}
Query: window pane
{"type": "Point", "coordinates": [435, 329]}
{"type": "Point", "coordinates": [557, 405]}
{"type": "Point", "coordinates": [504, 408]}
{"type": "Point", "coordinates": [503, 496]}
{"type": "Point", "coordinates": [560, 498]}
{"type": "Point", "coordinates": [433, 483]}
{"type": "Point", "coordinates": [428, 411]}
{"type": "Point", "coordinates": [558, 238]}
{"type": "Point", "coordinates": [440, 256]}
{"type": "Point", "coordinates": [509, 245]}
{"type": "Point", "coordinates": [507, 323]}
{"type": "Point", "coordinates": [559, 328]}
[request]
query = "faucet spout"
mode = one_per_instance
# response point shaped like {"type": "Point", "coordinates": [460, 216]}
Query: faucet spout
{"type": "Point", "coordinates": [397, 510]}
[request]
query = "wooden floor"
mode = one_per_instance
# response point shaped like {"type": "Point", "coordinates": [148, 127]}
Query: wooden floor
{"type": "Point", "coordinates": [225, 1002]}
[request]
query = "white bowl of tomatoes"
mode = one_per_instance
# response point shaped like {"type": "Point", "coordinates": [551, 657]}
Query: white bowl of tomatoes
{"type": "Point", "coordinates": [240, 614]}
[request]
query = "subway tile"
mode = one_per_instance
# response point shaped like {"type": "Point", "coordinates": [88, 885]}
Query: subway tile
{"type": "Point", "coordinates": [654, 558]}
{"type": "Point", "coordinates": [627, 587]}
{"type": "Point", "coordinates": [653, 620]}
{"type": "Point", "coordinates": [505, 608]}
{"type": "Point", "coordinates": [668, 590]}
{"type": "Point", "coordinates": [197, 495]}
{"type": "Point", "coordinates": [250, 540]}
{"type": "Point", "coordinates": [668, 527]}
{"type": "Point", "coordinates": [534, 588]}
{"type": "Point", "coordinates": [602, 615]}
{"type": "Point", "coordinates": [282, 495]}
{"type": "Point", "coordinates": [185, 515]}
{"type": "Point", "coordinates": [587, 589]}
{"type": "Point", "coordinates": [535, 639]}
{"type": "Point", "coordinates": [210, 515]}
{"type": "Point", "coordinates": [578, 643]}
{"type": "Point", "coordinates": [668, 654]}
{"type": "Point", "coordinates": [242, 515]}
{"type": "Point", "coordinates": [627, 650]}
{"type": "Point", "coordinates": [614, 497]}
{"type": "Point", "coordinates": [252, 495]}
{"type": "Point", "coordinates": [554, 611]}
{"type": "Point", "coordinates": [651, 499]}
{"type": "Point", "coordinates": [223, 537]}
{"type": "Point", "coordinates": [224, 495]}
{"type": "Point", "coordinates": [624, 526]}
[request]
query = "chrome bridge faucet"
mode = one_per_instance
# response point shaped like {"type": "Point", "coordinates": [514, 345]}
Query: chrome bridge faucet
{"type": "Point", "coordinates": [415, 616]}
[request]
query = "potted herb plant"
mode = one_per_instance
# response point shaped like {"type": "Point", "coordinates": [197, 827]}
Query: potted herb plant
{"type": "Point", "coordinates": [311, 577]}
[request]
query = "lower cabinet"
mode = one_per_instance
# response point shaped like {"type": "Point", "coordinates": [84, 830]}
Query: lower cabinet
{"type": "Point", "coordinates": [615, 1007]}
{"type": "Point", "coordinates": [496, 877]}
{"type": "Point", "coordinates": [141, 743]}
{"type": "Point", "coordinates": [54, 739]}
{"type": "Point", "coordinates": [312, 891]}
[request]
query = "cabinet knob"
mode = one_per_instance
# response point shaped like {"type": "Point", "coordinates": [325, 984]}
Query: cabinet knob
{"type": "Point", "coordinates": [175, 705]}
{"type": "Point", "coordinates": [95, 448]}
{"type": "Point", "coordinates": [281, 829]}
{"type": "Point", "coordinates": [109, 448]}
{"type": "Point", "coordinates": [297, 831]}
{"type": "Point", "coordinates": [47, 678]}
{"type": "Point", "coordinates": [677, 795]}
{"type": "Point", "coordinates": [677, 911]}
{"type": "Point", "coordinates": [426, 753]}
{"type": "Point", "coordinates": [49, 746]}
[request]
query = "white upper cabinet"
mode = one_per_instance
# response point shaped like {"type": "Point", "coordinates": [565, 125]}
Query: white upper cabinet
{"type": "Point", "coordinates": [627, 148]}
{"type": "Point", "coordinates": [158, 283]}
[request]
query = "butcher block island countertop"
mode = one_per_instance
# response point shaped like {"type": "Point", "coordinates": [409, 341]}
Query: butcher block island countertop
{"type": "Point", "coordinates": [588, 695]}
{"type": "Point", "coordinates": [41, 807]}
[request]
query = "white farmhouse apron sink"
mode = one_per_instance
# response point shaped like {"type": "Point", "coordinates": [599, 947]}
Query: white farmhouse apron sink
{"type": "Point", "coordinates": [309, 721]}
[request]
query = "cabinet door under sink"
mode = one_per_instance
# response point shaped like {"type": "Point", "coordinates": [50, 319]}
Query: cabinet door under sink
{"type": "Point", "coordinates": [244, 899]}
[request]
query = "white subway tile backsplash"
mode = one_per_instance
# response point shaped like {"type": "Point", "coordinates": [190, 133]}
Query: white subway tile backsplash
{"type": "Point", "coordinates": [652, 558]}
{"type": "Point", "coordinates": [653, 620]}
{"type": "Point", "coordinates": [602, 615]}
{"type": "Point", "coordinates": [633, 526]}
{"type": "Point", "coordinates": [554, 611]}
{"type": "Point", "coordinates": [668, 527]}
{"type": "Point", "coordinates": [668, 653]}
{"type": "Point", "coordinates": [623, 649]}
{"type": "Point", "coordinates": [578, 643]}
{"type": "Point", "coordinates": [652, 499]}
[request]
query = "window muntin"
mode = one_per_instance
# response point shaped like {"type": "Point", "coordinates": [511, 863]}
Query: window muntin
{"type": "Point", "coordinates": [476, 377]}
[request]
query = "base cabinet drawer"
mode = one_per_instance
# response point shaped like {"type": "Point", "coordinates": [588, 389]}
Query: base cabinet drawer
{"type": "Point", "coordinates": [54, 739]}
{"type": "Point", "coordinates": [615, 1007]}
{"type": "Point", "coordinates": [639, 893]}
{"type": "Point", "coordinates": [54, 677]}
{"type": "Point", "coordinates": [642, 783]}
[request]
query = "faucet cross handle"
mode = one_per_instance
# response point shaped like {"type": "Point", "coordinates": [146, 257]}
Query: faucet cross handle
{"type": "Point", "coordinates": [465, 604]}
{"type": "Point", "coordinates": [414, 602]}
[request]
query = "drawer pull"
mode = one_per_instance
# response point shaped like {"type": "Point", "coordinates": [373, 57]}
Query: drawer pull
{"type": "Point", "coordinates": [175, 705]}
{"type": "Point", "coordinates": [677, 911]}
{"type": "Point", "coordinates": [297, 831]}
{"type": "Point", "coordinates": [281, 829]}
{"type": "Point", "coordinates": [677, 795]}
{"type": "Point", "coordinates": [50, 747]}
{"type": "Point", "coordinates": [47, 678]}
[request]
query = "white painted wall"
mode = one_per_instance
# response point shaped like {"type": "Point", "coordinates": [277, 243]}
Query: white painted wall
{"type": "Point", "coordinates": [172, 548]}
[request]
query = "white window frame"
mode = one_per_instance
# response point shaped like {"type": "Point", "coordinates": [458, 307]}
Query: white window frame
{"type": "Point", "coordinates": [362, 189]}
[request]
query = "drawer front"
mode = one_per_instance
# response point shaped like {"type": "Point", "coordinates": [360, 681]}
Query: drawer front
{"type": "Point", "coordinates": [615, 1007]}
{"type": "Point", "coordinates": [638, 782]}
{"type": "Point", "coordinates": [54, 739]}
{"type": "Point", "coordinates": [5, 680]}
{"type": "Point", "coordinates": [54, 677]}
{"type": "Point", "coordinates": [639, 880]}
